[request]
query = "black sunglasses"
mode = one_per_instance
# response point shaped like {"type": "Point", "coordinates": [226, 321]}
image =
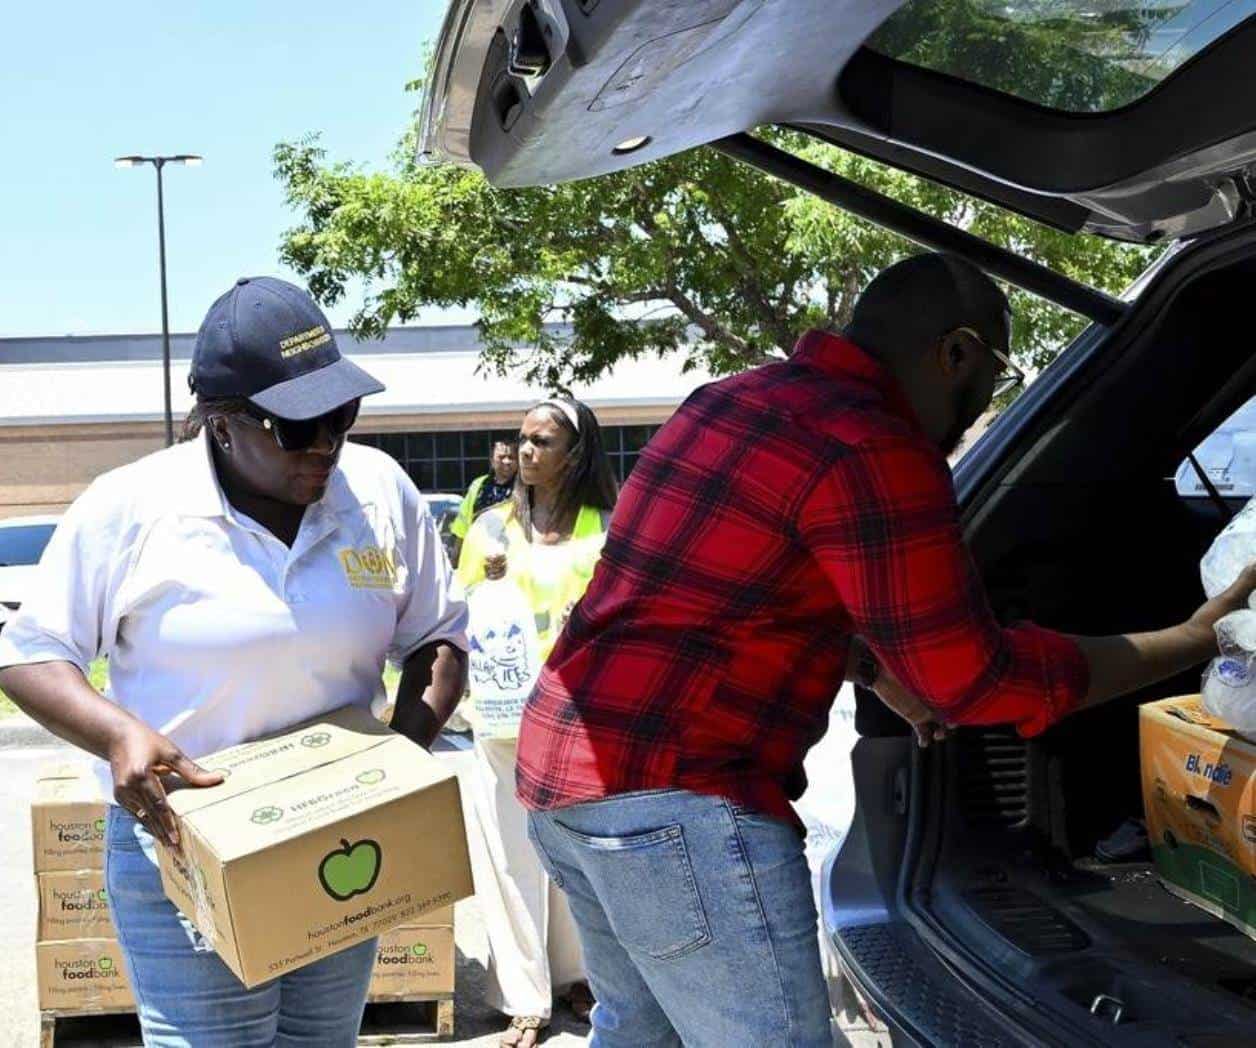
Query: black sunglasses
{"type": "Point", "coordinates": [1010, 376]}
{"type": "Point", "coordinates": [300, 434]}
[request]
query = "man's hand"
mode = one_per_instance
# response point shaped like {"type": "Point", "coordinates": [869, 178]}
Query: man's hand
{"type": "Point", "coordinates": [1233, 599]}
{"type": "Point", "coordinates": [923, 720]}
{"type": "Point", "coordinates": [138, 758]}
{"type": "Point", "coordinates": [889, 690]}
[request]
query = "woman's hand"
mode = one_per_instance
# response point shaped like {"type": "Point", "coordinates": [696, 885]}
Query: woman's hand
{"type": "Point", "coordinates": [495, 566]}
{"type": "Point", "coordinates": [138, 757]}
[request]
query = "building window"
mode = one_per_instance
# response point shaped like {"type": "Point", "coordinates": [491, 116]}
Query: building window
{"type": "Point", "coordinates": [449, 461]}
{"type": "Point", "coordinates": [624, 444]}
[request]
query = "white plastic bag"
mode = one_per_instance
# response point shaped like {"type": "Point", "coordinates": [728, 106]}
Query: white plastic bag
{"type": "Point", "coordinates": [1230, 552]}
{"type": "Point", "coordinates": [1229, 689]}
{"type": "Point", "coordinates": [505, 656]}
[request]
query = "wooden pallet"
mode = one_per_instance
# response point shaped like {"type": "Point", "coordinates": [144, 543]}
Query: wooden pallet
{"type": "Point", "coordinates": [421, 1020]}
{"type": "Point", "coordinates": [408, 1020]}
{"type": "Point", "coordinates": [61, 1029]}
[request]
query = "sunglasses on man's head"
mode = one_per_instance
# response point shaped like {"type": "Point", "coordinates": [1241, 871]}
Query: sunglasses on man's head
{"type": "Point", "coordinates": [1010, 376]}
{"type": "Point", "coordinates": [301, 434]}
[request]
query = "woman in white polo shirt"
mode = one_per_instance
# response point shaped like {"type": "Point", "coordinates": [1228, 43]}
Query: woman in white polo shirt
{"type": "Point", "coordinates": [249, 578]}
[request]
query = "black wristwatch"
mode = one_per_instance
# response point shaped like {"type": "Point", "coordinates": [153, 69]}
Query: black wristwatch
{"type": "Point", "coordinates": [866, 669]}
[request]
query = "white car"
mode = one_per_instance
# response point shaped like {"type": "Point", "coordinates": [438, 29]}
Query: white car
{"type": "Point", "coordinates": [444, 508]}
{"type": "Point", "coordinates": [22, 542]}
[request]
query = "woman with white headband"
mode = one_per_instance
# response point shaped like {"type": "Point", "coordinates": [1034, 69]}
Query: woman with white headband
{"type": "Point", "coordinates": [544, 543]}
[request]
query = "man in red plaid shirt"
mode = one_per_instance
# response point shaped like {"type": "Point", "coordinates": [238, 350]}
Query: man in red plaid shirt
{"type": "Point", "coordinates": [777, 517]}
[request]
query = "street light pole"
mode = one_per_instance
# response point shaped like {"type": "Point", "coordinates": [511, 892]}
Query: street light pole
{"type": "Point", "coordinates": [159, 162]}
{"type": "Point", "coordinates": [165, 317]}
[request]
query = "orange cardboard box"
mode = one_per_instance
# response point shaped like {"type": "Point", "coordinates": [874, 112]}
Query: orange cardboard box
{"type": "Point", "coordinates": [1199, 791]}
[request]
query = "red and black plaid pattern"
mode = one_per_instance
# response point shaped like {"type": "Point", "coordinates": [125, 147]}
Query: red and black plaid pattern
{"type": "Point", "coordinates": [776, 515]}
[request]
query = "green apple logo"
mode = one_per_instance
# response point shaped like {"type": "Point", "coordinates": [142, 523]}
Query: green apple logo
{"type": "Point", "coordinates": [105, 964]}
{"type": "Point", "coordinates": [100, 825]}
{"type": "Point", "coordinates": [419, 949]}
{"type": "Point", "coordinates": [264, 816]}
{"type": "Point", "coordinates": [102, 895]}
{"type": "Point", "coordinates": [350, 870]}
{"type": "Point", "coordinates": [318, 738]}
{"type": "Point", "coordinates": [370, 778]}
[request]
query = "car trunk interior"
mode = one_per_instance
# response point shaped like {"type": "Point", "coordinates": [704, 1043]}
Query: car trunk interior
{"type": "Point", "coordinates": [1084, 531]}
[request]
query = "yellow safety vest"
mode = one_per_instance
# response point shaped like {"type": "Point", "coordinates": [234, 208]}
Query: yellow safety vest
{"type": "Point", "coordinates": [551, 599]}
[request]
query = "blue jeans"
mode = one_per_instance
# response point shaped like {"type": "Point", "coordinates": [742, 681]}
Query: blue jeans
{"type": "Point", "coordinates": [697, 921]}
{"type": "Point", "coordinates": [187, 998]}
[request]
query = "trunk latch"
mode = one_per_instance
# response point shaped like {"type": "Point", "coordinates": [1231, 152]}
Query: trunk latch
{"type": "Point", "coordinates": [1106, 1005]}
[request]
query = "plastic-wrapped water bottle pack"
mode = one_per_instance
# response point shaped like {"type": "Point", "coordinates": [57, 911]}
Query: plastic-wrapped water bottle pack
{"type": "Point", "coordinates": [1229, 690]}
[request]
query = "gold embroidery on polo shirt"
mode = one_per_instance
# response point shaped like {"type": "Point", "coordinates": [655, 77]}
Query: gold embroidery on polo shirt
{"type": "Point", "coordinates": [304, 341]}
{"type": "Point", "coordinates": [369, 567]}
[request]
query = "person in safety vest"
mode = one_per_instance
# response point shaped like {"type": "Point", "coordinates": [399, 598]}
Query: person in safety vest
{"type": "Point", "coordinates": [486, 490]}
{"type": "Point", "coordinates": [525, 563]}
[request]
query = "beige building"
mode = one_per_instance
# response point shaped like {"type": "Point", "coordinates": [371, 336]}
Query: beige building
{"type": "Point", "coordinates": [74, 407]}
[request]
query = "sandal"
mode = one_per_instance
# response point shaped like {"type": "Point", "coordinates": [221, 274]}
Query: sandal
{"type": "Point", "coordinates": [580, 998]}
{"type": "Point", "coordinates": [524, 1031]}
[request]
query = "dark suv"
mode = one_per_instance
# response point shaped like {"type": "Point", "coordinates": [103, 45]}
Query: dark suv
{"type": "Point", "coordinates": [967, 902]}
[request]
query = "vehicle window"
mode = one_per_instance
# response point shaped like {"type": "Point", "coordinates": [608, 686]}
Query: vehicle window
{"type": "Point", "coordinates": [1082, 56]}
{"type": "Point", "coordinates": [24, 544]}
{"type": "Point", "coordinates": [1228, 457]}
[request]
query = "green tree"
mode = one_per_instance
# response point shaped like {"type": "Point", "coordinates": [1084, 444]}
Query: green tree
{"type": "Point", "coordinates": [1077, 55]}
{"type": "Point", "coordinates": [695, 253]}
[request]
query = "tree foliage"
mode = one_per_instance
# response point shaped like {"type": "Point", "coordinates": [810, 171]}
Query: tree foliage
{"type": "Point", "coordinates": [696, 254]}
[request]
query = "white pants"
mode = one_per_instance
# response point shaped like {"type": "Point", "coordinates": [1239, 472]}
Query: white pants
{"type": "Point", "coordinates": [533, 944]}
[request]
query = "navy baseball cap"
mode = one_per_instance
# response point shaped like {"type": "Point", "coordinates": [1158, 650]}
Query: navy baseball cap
{"type": "Point", "coordinates": [267, 340]}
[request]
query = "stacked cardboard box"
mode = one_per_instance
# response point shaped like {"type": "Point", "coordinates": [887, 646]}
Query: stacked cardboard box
{"type": "Point", "coordinates": [1199, 790]}
{"type": "Point", "coordinates": [416, 960]}
{"type": "Point", "coordinates": [77, 958]}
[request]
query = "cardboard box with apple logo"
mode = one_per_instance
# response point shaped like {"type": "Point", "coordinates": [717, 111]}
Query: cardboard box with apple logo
{"type": "Point", "coordinates": [82, 975]}
{"type": "Point", "coordinates": [67, 820]}
{"type": "Point", "coordinates": [414, 962]}
{"type": "Point", "coordinates": [319, 838]}
{"type": "Point", "coordinates": [73, 904]}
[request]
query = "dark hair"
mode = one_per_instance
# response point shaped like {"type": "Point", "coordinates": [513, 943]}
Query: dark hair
{"type": "Point", "coordinates": [206, 408]}
{"type": "Point", "coordinates": [589, 481]}
{"type": "Point", "coordinates": [503, 442]}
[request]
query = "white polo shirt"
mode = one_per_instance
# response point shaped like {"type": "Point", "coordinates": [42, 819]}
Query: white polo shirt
{"type": "Point", "coordinates": [218, 633]}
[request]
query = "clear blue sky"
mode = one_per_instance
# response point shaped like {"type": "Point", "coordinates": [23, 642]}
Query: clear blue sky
{"type": "Point", "coordinates": [83, 82]}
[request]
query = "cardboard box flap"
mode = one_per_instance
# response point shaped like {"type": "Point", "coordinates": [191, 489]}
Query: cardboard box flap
{"type": "Point", "coordinates": [62, 769]}
{"type": "Point", "coordinates": [312, 744]}
{"type": "Point", "coordinates": [76, 787]}
{"type": "Point", "coordinates": [317, 797]}
{"type": "Point", "coordinates": [1191, 710]}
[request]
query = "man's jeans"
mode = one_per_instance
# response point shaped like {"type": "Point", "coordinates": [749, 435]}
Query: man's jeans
{"type": "Point", "coordinates": [697, 921]}
{"type": "Point", "coordinates": [186, 996]}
